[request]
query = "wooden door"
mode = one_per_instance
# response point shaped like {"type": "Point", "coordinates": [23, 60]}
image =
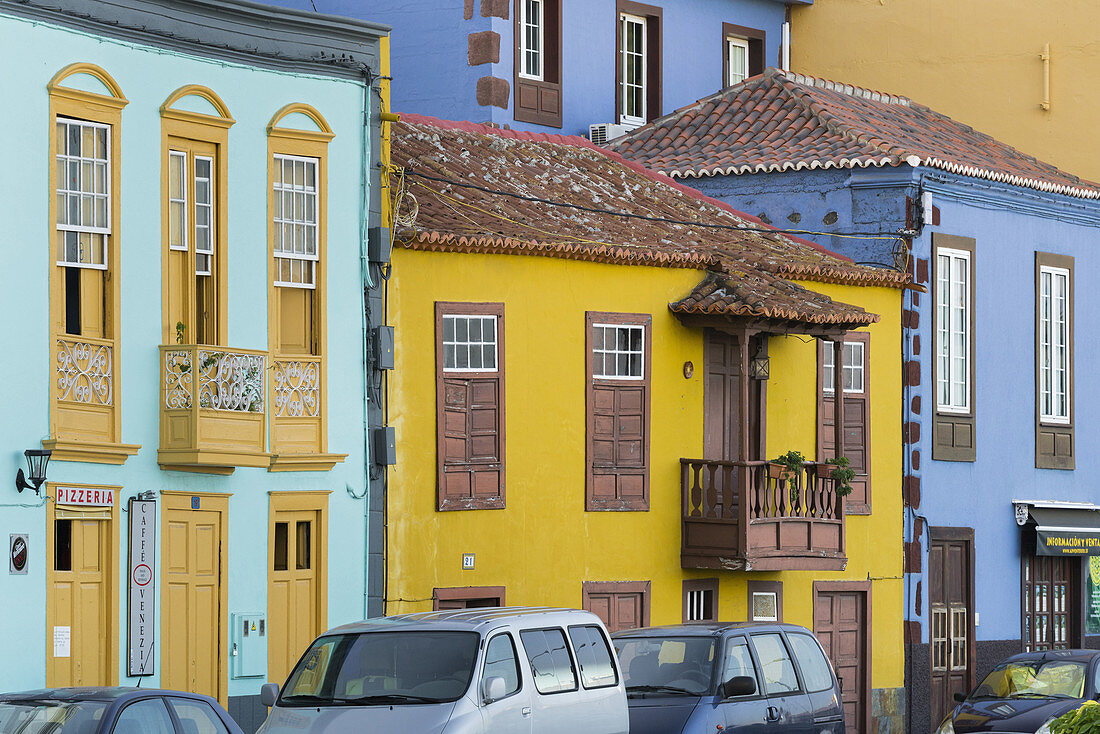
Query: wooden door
{"type": "Point", "coordinates": [80, 584]}
{"type": "Point", "coordinates": [191, 623]}
{"type": "Point", "coordinates": [951, 599]}
{"type": "Point", "coordinates": [622, 605]}
{"type": "Point", "coordinates": [294, 601]}
{"type": "Point", "coordinates": [857, 390]}
{"type": "Point", "coordinates": [722, 411]}
{"type": "Point", "coordinates": [842, 624]}
{"type": "Point", "coordinates": [1051, 608]}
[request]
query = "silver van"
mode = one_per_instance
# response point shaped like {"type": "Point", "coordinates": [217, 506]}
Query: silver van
{"type": "Point", "coordinates": [508, 670]}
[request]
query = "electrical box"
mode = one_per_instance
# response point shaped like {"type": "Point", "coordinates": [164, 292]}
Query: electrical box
{"type": "Point", "coordinates": [385, 446]}
{"type": "Point", "coordinates": [383, 347]}
{"type": "Point", "coordinates": [378, 244]}
{"type": "Point", "coordinates": [248, 645]}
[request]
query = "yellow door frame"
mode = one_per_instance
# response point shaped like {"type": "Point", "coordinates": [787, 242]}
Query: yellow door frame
{"type": "Point", "coordinates": [211, 502]}
{"type": "Point", "coordinates": [300, 501]}
{"type": "Point", "coordinates": [110, 562]}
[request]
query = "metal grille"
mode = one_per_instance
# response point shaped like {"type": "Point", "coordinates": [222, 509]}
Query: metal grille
{"type": "Point", "coordinates": [700, 604]}
{"type": "Point", "coordinates": [765, 606]}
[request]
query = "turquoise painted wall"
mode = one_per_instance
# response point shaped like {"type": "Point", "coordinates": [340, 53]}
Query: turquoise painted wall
{"type": "Point", "coordinates": [31, 53]}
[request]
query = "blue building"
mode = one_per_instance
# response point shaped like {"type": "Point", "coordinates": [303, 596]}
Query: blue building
{"type": "Point", "coordinates": [1001, 525]}
{"type": "Point", "coordinates": [185, 340]}
{"type": "Point", "coordinates": [550, 65]}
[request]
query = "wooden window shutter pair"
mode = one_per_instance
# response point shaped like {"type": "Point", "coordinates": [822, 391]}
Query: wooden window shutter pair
{"type": "Point", "coordinates": [470, 408]}
{"type": "Point", "coordinates": [617, 422]}
{"type": "Point", "coordinates": [953, 434]}
{"type": "Point", "coordinates": [857, 408]}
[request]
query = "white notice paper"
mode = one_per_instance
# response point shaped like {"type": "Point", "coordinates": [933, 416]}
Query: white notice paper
{"type": "Point", "coordinates": [61, 637]}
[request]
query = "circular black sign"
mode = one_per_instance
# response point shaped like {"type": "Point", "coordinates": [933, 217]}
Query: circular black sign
{"type": "Point", "coordinates": [18, 553]}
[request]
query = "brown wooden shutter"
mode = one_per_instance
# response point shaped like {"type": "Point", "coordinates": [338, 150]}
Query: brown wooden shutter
{"type": "Point", "coordinates": [470, 422]}
{"type": "Point", "coordinates": [622, 605]}
{"type": "Point", "coordinates": [1054, 442]}
{"type": "Point", "coordinates": [857, 407]}
{"type": "Point", "coordinates": [540, 102]}
{"type": "Point", "coordinates": [618, 428]}
{"type": "Point", "coordinates": [953, 435]}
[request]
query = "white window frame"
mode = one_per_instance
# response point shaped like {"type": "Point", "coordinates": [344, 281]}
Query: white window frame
{"type": "Point", "coordinates": [775, 604]}
{"type": "Point", "coordinates": [955, 373]}
{"type": "Point", "coordinates": [742, 44]}
{"type": "Point", "coordinates": [1058, 353]}
{"type": "Point", "coordinates": [626, 19]}
{"type": "Point", "coordinates": [61, 189]}
{"type": "Point", "coordinates": [599, 374]}
{"type": "Point", "coordinates": [495, 343]}
{"type": "Point", "coordinates": [278, 189]}
{"type": "Point", "coordinates": [184, 238]}
{"type": "Point", "coordinates": [524, 50]}
{"type": "Point", "coordinates": [856, 367]}
{"type": "Point", "coordinates": [211, 222]}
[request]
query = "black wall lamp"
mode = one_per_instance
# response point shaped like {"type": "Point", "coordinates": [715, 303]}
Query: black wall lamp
{"type": "Point", "coordinates": [36, 466]}
{"type": "Point", "coordinates": [760, 365]}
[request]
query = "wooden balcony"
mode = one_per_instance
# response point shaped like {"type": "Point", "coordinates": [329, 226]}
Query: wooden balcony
{"type": "Point", "coordinates": [741, 515]}
{"type": "Point", "coordinates": [212, 412]}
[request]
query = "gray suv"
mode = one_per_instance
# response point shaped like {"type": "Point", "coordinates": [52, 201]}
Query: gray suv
{"type": "Point", "coordinates": [709, 677]}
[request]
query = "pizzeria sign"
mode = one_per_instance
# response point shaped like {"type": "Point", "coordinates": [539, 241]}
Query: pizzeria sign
{"type": "Point", "coordinates": [84, 496]}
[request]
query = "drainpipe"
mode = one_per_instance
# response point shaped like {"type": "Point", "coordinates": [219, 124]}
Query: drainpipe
{"type": "Point", "coordinates": [785, 60]}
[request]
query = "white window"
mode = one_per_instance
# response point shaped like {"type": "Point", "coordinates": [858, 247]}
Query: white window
{"type": "Point", "coordinates": [765, 606]}
{"type": "Point", "coordinates": [854, 368]}
{"type": "Point", "coordinates": [634, 61]}
{"type": "Point", "coordinates": [177, 200]}
{"type": "Point", "coordinates": [953, 330]}
{"type": "Point", "coordinates": [469, 343]}
{"type": "Point", "coordinates": [618, 352]}
{"type": "Point", "coordinates": [700, 605]}
{"type": "Point", "coordinates": [737, 60]}
{"type": "Point", "coordinates": [204, 214]}
{"type": "Point", "coordinates": [531, 26]}
{"type": "Point", "coordinates": [83, 193]}
{"type": "Point", "coordinates": [296, 221]}
{"type": "Point", "coordinates": [1054, 344]}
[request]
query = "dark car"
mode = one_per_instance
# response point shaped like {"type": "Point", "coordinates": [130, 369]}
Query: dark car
{"type": "Point", "coordinates": [112, 710]}
{"type": "Point", "coordinates": [1025, 692]}
{"type": "Point", "coordinates": [752, 677]}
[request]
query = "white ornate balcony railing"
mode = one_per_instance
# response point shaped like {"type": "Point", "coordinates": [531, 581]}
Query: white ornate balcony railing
{"type": "Point", "coordinates": [85, 371]}
{"type": "Point", "coordinates": [225, 379]}
{"type": "Point", "coordinates": [296, 387]}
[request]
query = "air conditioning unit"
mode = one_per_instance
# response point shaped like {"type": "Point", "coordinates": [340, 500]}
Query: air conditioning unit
{"type": "Point", "coordinates": [605, 131]}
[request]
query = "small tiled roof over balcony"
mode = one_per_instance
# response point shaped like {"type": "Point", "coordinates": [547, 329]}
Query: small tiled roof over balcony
{"type": "Point", "coordinates": [782, 121]}
{"type": "Point", "coordinates": [482, 189]}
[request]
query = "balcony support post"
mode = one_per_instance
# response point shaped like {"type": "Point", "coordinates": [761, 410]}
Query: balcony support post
{"type": "Point", "coordinates": [743, 474]}
{"type": "Point", "coordinates": [838, 423]}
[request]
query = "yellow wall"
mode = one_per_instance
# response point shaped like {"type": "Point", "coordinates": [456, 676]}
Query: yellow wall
{"type": "Point", "coordinates": [974, 60]}
{"type": "Point", "coordinates": [544, 544]}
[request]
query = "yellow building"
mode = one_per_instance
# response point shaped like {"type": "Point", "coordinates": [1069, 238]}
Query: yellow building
{"type": "Point", "coordinates": [1023, 72]}
{"type": "Point", "coordinates": [573, 428]}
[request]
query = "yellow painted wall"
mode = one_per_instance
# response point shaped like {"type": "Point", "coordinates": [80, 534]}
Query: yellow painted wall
{"type": "Point", "coordinates": [543, 545]}
{"type": "Point", "coordinates": [975, 60]}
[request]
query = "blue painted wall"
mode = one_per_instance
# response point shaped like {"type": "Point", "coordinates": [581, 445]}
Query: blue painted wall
{"type": "Point", "coordinates": [1010, 224]}
{"type": "Point", "coordinates": [432, 75]}
{"type": "Point", "coordinates": [33, 52]}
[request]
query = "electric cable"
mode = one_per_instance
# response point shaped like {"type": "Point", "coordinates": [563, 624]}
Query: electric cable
{"type": "Point", "coordinates": [661, 220]}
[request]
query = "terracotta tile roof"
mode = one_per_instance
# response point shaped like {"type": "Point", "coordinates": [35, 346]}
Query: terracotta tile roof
{"type": "Point", "coordinates": [780, 121]}
{"type": "Point", "coordinates": [458, 171]}
{"type": "Point", "coordinates": [719, 294]}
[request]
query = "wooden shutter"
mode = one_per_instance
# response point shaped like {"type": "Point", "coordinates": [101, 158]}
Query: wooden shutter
{"type": "Point", "coordinates": [857, 407]}
{"type": "Point", "coordinates": [622, 605]}
{"type": "Point", "coordinates": [539, 101]}
{"type": "Point", "coordinates": [618, 428]}
{"type": "Point", "coordinates": [1054, 442]}
{"type": "Point", "coordinates": [953, 435]}
{"type": "Point", "coordinates": [470, 422]}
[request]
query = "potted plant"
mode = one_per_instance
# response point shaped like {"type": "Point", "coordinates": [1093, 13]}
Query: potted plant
{"type": "Point", "coordinates": [842, 473]}
{"type": "Point", "coordinates": [786, 466]}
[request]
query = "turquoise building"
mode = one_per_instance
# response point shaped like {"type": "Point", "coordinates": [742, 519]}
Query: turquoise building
{"type": "Point", "coordinates": [192, 223]}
